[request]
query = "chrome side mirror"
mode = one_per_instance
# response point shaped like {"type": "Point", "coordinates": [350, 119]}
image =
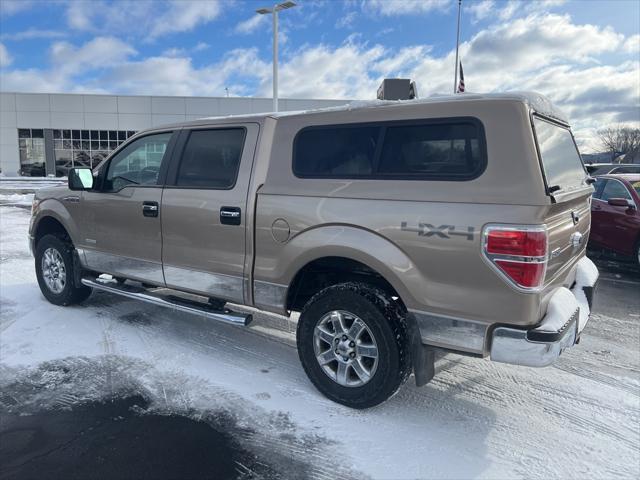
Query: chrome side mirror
{"type": "Point", "coordinates": [80, 179]}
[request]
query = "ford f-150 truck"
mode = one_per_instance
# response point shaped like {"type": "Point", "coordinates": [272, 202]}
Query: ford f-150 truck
{"type": "Point", "coordinates": [395, 229]}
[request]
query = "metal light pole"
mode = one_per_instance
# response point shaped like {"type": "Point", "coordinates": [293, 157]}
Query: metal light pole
{"type": "Point", "coordinates": [274, 11]}
{"type": "Point", "coordinates": [455, 75]}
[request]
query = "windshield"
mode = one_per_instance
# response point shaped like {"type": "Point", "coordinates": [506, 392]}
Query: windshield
{"type": "Point", "coordinates": [636, 187]}
{"type": "Point", "coordinates": [560, 158]}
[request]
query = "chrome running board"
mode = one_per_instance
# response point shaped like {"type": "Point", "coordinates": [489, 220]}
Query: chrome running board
{"type": "Point", "coordinates": [170, 301]}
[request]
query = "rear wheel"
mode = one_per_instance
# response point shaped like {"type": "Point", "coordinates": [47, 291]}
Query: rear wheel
{"type": "Point", "coordinates": [352, 344]}
{"type": "Point", "coordinates": [54, 271]}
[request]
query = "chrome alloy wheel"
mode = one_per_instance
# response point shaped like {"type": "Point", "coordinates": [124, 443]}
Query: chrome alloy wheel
{"type": "Point", "coordinates": [54, 271]}
{"type": "Point", "coordinates": [345, 348]}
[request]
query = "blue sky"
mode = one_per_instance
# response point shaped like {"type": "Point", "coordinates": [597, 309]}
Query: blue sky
{"type": "Point", "coordinates": [584, 54]}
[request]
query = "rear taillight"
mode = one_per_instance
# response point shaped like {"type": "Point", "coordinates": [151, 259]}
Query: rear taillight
{"type": "Point", "coordinates": [518, 253]}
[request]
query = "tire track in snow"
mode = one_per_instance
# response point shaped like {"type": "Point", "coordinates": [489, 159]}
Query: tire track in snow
{"type": "Point", "coordinates": [601, 378]}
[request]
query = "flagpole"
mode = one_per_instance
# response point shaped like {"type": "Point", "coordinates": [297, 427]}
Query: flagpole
{"type": "Point", "coordinates": [455, 75]}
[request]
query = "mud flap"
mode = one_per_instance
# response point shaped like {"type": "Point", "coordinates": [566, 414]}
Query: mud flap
{"type": "Point", "coordinates": [422, 356]}
{"type": "Point", "coordinates": [77, 269]}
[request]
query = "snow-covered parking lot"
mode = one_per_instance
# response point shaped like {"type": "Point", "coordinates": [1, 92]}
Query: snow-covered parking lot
{"type": "Point", "coordinates": [476, 419]}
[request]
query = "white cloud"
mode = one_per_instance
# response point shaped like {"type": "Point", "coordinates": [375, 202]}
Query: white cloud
{"type": "Point", "coordinates": [481, 9]}
{"type": "Point", "coordinates": [200, 46]}
{"type": "Point", "coordinates": [5, 58]}
{"type": "Point", "coordinates": [182, 16]}
{"type": "Point", "coordinates": [346, 21]}
{"type": "Point", "coordinates": [143, 18]}
{"type": "Point", "coordinates": [178, 76]}
{"type": "Point", "coordinates": [99, 53]}
{"type": "Point", "coordinates": [250, 25]}
{"type": "Point", "coordinates": [538, 40]}
{"type": "Point", "coordinates": [11, 7]}
{"type": "Point", "coordinates": [632, 44]}
{"type": "Point", "coordinates": [405, 7]}
{"type": "Point", "coordinates": [33, 33]}
{"type": "Point", "coordinates": [174, 52]}
{"type": "Point", "coordinates": [507, 9]}
{"type": "Point", "coordinates": [347, 71]}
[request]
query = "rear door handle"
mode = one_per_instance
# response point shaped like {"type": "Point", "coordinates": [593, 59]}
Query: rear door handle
{"type": "Point", "coordinates": [230, 215]}
{"type": "Point", "coordinates": [150, 209]}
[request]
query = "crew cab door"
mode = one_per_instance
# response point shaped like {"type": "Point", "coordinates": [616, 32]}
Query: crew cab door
{"type": "Point", "coordinates": [120, 225]}
{"type": "Point", "coordinates": [204, 205]}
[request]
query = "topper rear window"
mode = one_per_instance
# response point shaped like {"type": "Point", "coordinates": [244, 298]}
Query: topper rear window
{"type": "Point", "coordinates": [561, 161]}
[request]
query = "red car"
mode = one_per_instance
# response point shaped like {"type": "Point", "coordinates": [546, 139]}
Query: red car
{"type": "Point", "coordinates": [615, 219]}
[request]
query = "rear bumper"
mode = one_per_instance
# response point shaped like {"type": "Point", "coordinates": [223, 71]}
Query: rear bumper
{"type": "Point", "coordinates": [567, 315]}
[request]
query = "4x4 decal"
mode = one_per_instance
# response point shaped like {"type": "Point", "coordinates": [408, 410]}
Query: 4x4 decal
{"type": "Point", "coordinates": [443, 231]}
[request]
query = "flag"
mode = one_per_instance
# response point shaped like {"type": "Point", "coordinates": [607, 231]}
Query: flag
{"type": "Point", "coordinates": [461, 83]}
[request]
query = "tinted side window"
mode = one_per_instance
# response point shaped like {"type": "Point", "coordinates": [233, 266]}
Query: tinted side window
{"type": "Point", "coordinates": [211, 158]}
{"type": "Point", "coordinates": [335, 152]}
{"type": "Point", "coordinates": [424, 150]}
{"type": "Point", "coordinates": [138, 164]}
{"type": "Point", "coordinates": [447, 150]}
{"type": "Point", "coordinates": [615, 189]}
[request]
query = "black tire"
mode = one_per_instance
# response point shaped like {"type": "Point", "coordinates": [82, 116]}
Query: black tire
{"type": "Point", "coordinates": [71, 293]}
{"type": "Point", "coordinates": [385, 320]}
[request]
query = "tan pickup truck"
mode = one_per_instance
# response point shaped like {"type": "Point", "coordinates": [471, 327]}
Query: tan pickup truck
{"type": "Point", "coordinates": [396, 229]}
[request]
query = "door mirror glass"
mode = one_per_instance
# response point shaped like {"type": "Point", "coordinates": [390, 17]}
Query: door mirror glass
{"type": "Point", "coordinates": [80, 179]}
{"type": "Point", "coordinates": [619, 202]}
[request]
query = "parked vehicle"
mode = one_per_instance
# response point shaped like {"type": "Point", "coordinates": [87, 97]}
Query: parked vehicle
{"type": "Point", "coordinates": [615, 223]}
{"type": "Point", "coordinates": [610, 168]}
{"type": "Point", "coordinates": [394, 228]}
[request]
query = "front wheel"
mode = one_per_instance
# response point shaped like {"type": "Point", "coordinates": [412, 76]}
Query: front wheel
{"type": "Point", "coordinates": [352, 344]}
{"type": "Point", "coordinates": [54, 270]}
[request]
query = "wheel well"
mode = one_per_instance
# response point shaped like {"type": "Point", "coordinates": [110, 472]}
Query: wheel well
{"type": "Point", "coordinates": [324, 272]}
{"type": "Point", "coordinates": [49, 226]}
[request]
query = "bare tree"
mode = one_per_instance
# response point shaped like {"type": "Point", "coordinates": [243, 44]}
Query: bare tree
{"type": "Point", "coordinates": [621, 140]}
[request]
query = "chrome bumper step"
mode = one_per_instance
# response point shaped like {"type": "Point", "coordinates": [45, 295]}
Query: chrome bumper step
{"type": "Point", "coordinates": [170, 301]}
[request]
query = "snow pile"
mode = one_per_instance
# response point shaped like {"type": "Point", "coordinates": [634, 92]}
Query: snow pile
{"type": "Point", "coordinates": [562, 306]}
{"type": "Point", "coordinates": [17, 200]}
{"type": "Point", "coordinates": [586, 276]}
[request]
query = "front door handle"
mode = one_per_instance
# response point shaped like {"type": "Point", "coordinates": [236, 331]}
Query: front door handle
{"type": "Point", "coordinates": [230, 215]}
{"type": "Point", "coordinates": [150, 209]}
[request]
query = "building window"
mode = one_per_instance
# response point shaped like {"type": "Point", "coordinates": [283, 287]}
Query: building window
{"type": "Point", "coordinates": [31, 146]}
{"type": "Point", "coordinates": [84, 148]}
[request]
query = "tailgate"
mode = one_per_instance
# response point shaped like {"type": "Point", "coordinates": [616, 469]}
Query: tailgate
{"type": "Point", "coordinates": [568, 226]}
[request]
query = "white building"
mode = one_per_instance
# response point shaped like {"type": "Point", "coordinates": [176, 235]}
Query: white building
{"type": "Point", "coordinates": [45, 134]}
